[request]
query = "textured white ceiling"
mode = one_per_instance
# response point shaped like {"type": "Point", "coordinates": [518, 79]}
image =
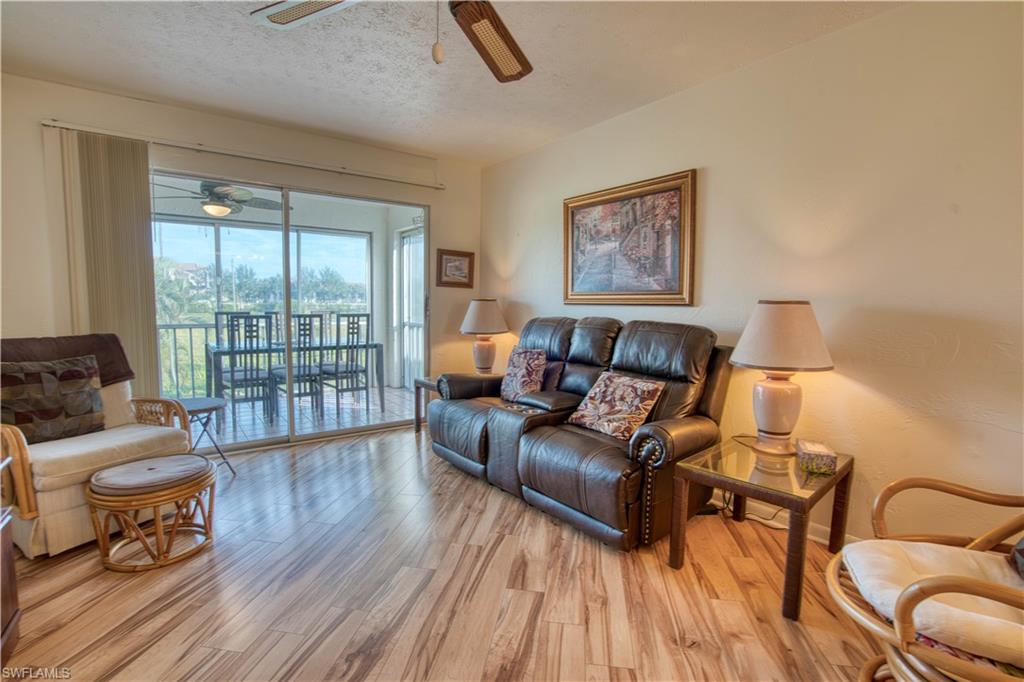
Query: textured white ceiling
{"type": "Point", "coordinates": [366, 72]}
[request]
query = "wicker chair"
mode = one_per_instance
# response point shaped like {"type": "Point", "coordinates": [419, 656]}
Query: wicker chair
{"type": "Point", "coordinates": [904, 657]}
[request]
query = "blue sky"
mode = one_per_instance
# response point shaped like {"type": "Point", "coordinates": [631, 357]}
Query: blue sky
{"type": "Point", "coordinates": [260, 249]}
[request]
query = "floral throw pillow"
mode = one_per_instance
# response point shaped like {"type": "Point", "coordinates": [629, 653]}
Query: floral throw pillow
{"type": "Point", "coordinates": [525, 373]}
{"type": "Point", "coordinates": [617, 405]}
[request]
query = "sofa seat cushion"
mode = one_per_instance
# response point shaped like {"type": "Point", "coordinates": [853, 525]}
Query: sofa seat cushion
{"type": "Point", "coordinates": [461, 425]}
{"type": "Point", "coordinates": [59, 463]}
{"type": "Point", "coordinates": [582, 469]}
{"type": "Point", "coordinates": [882, 569]}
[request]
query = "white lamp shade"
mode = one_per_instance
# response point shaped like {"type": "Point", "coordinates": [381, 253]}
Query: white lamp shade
{"type": "Point", "coordinates": [782, 336]}
{"type": "Point", "coordinates": [484, 317]}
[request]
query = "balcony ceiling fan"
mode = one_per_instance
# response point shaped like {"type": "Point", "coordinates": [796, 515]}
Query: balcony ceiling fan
{"type": "Point", "coordinates": [219, 199]}
{"type": "Point", "coordinates": [477, 18]}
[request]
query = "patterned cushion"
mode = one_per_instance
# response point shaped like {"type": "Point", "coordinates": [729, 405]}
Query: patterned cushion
{"type": "Point", "coordinates": [617, 404]}
{"type": "Point", "coordinates": [52, 399]}
{"type": "Point", "coordinates": [1016, 557]}
{"type": "Point", "coordinates": [525, 373]}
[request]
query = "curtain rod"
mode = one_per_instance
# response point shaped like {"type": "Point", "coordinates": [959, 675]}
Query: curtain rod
{"type": "Point", "coordinates": [200, 147]}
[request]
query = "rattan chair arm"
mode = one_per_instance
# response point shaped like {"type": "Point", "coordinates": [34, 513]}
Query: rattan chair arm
{"type": "Point", "coordinates": [20, 472]}
{"type": "Point", "coordinates": [162, 412]}
{"type": "Point", "coordinates": [886, 494]}
{"type": "Point", "coordinates": [917, 592]}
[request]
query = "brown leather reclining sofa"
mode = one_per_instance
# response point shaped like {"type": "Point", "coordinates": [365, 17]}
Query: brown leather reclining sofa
{"type": "Point", "coordinates": [619, 492]}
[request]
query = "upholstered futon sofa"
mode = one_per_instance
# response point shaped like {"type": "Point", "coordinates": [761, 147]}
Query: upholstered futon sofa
{"type": "Point", "coordinates": [618, 491]}
{"type": "Point", "coordinates": [46, 480]}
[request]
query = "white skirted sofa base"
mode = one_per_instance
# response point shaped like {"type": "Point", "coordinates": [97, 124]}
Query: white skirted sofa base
{"type": "Point", "coordinates": [47, 484]}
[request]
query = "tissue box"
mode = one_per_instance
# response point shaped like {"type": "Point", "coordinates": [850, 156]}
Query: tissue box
{"type": "Point", "coordinates": [815, 458]}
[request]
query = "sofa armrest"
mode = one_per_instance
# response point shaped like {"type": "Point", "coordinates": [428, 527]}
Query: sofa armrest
{"type": "Point", "coordinates": [17, 483]}
{"type": "Point", "coordinates": [662, 443]}
{"type": "Point", "coordinates": [162, 412]}
{"type": "Point", "coordinates": [463, 386]}
{"type": "Point", "coordinates": [552, 401]}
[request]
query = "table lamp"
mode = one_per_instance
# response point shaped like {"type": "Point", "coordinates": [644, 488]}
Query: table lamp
{"type": "Point", "coordinates": [781, 338]}
{"type": "Point", "coordinates": [483, 319]}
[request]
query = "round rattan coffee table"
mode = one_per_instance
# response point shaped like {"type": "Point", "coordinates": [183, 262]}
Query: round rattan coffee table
{"type": "Point", "coordinates": [177, 486]}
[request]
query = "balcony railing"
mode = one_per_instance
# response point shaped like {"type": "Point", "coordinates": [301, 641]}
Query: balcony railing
{"type": "Point", "coordinates": [183, 358]}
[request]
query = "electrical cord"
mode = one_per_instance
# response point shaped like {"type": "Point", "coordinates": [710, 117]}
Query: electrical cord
{"type": "Point", "coordinates": [727, 496]}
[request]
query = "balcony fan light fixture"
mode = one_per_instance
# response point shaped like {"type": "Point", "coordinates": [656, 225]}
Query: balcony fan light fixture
{"type": "Point", "coordinates": [215, 208]}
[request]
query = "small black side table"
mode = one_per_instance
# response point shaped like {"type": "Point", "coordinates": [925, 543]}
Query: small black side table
{"type": "Point", "coordinates": [200, 412]}
{"type": "Point", "coordinates": [421, 394]}
{"type": "Point", "coordinates": [775, 479]}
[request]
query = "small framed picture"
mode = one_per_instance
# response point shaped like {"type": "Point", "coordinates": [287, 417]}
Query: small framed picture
{"type": "Point", "coordinates": [454, 268]}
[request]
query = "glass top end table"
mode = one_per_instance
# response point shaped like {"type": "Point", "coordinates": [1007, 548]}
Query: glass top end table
{"type": "Point", "coordinates": [735, 466]}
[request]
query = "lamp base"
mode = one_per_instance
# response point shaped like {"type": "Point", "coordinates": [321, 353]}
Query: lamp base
{"type": "Point", "coordinates": [483, 354]}
{"type": "Point", "coordinates": [774, 445]}
{"type": "Point", "coordinates": [776, 409]}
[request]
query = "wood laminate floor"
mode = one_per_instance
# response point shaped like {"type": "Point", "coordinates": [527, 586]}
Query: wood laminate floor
{"type": "Point", "coordinates": [368, 558]}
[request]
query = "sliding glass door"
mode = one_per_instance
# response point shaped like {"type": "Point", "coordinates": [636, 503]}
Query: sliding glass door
{"type": "Point", "coordinates": [219, 271]}
{"type": "Point", "coordinates": [296, 322]}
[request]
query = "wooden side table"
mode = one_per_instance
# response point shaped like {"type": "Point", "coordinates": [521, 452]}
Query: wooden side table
{"type": "Point", "coordinates": [736, 467]}
{"type": "Point", "coordinates": [422, 388]}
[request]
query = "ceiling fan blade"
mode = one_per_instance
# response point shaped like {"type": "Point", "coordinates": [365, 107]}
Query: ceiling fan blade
{"type": "Point", "coordinates": [260, 202]}
{"type": "Point", "coordinates": [222, 190]}
{"type": "Point", "coordinates": [236, 193]}
{"type": "Point", "coordinates": [488, 34]}
{"type": "Point", "coordinates": [178, 189]}
{"type": "Point", "coordinates": [180, 196]}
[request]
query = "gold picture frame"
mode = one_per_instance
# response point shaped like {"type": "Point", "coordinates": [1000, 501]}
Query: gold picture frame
{"type": "Point", "coordinates": [631, 244]}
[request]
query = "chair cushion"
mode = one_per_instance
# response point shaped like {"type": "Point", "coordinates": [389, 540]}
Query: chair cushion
{"type": "Point", "coordinates": [882, 569]}
{"type": "Point", "coordinates": [525, 373]}
{"type": "Point", "coordinates": [117, 404]}
{"type": "Point", "coordinates": [52, 399]}
{"type": "Point", "coordinates": [308, 371]}
{"type": "Point", "coordinates": [617, 405]}
{"type": "Point", "coordinates": [60, 463]}
{"type": "Point", "coordinates": [461, 425]}
{"type": "Point", "coordinates": [150, 475]}
{"type": "Point", "coordinates": [240, 376]}
{"type": "Point", "coordinates": [328, 367]}
{"type": "Point", "coordinates": [582, 469]}
{"type": "Point", "coordinates": [1016, 557]}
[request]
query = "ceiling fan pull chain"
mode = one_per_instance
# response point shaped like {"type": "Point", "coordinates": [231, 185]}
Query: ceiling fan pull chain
{"type": "Point", "coordinates": [438, 50]}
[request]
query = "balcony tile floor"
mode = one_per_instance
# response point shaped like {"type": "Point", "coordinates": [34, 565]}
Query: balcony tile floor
{"type": "Point", "coordinates": [252, 425]}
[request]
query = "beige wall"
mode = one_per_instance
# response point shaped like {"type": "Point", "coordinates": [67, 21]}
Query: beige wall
{"type": "Point", "coordinates": [35, 297]}
{"type": "Point", "coordinates": [875, 171]}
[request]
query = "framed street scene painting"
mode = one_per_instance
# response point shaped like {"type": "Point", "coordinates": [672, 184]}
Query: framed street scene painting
{"type": "Point", "coordinates": [631, 244]}
{"type": "Point", "coordinates": [454, 268]}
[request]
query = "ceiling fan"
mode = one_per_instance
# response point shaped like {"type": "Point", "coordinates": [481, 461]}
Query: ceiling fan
{"type": "Point", "coordinates": [219, 199]}
{"type": "Point", "coordinates": [477, 19]}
